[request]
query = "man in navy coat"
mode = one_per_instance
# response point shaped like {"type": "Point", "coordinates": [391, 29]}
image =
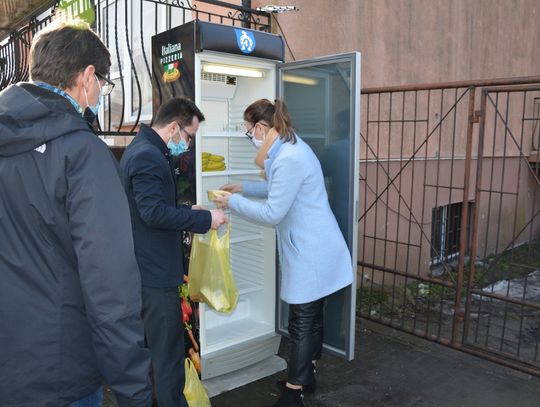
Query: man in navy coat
{"type": "Point", "coordinates": [157, 228]}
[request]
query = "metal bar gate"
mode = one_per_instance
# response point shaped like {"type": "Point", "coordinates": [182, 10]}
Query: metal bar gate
{"type": "Point", "coordinates": [449, 228]}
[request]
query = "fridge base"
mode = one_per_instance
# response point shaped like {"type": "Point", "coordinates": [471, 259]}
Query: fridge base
{"type": "Point", "coordinates": [230, 381]}
{"type": "Point", "coordinates": [241, 355]}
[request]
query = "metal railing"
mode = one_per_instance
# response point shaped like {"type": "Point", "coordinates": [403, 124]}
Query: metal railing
{"type": "Point", "coordinates": [126, 27]}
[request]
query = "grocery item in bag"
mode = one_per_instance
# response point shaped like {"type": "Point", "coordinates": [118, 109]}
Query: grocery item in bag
{"type": "Point", "coordinates": [210, 277]}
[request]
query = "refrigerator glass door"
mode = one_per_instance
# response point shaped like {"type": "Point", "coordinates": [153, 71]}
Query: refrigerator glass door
{"type": "Point", "coordinates": [323, 98]}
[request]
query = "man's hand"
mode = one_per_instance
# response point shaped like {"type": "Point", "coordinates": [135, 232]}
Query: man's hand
{"type": "Point", "coordinates": [218, 218]}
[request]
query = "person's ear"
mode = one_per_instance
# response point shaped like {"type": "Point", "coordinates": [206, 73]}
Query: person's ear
{"type": "Point", "coordinates": [257, 128]}
{"type": "Point", "coordinates": [263, 129]}
{"type": "Point", "coordinates": [88, 76]}
{"type": "Point", "coordinates": [172, 129]}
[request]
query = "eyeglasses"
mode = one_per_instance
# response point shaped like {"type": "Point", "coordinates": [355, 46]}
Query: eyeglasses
{"type": "Point", "coordinates": [107, 87]}
{"type": "Point", "coordinates": [190, 136]}
{"type": "Point", "coordinates": [248, 133]}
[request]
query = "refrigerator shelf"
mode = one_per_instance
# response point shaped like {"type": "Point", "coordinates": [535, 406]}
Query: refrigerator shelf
{"type": "Point", "coordinates": [230, 172]}
{"type": "Point", "coordinates": [246, 287]}
{"type": "Point", "coordinates": [224, 134]}
{"type": "Point", "coordinates": [245, 238]}
{"type": "Point", "coordinates": [234, 332]}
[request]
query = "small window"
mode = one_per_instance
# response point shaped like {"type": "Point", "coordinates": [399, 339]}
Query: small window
{"type": "Point", "coordinates": [536, 124]}
{"type": "Point", "coordinates": [446, 231]}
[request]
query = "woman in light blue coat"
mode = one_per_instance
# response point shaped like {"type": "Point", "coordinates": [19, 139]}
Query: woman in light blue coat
{"type": "Point", "coordinates": [314, 258]}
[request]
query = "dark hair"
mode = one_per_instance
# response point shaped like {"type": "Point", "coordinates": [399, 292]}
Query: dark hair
{"type": "Point", "coordinates": [274, 114]}
{"type": "Point", "coordinates": [62, 50]}
{"type": "Point", "coordinates": [177, 109]}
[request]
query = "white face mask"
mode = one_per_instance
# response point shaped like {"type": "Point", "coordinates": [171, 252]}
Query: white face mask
{"type": "Point", "coordinates": [258, 143]}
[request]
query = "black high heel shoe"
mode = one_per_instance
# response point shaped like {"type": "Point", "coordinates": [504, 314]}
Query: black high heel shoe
{"type": "Point", "coordinates": [290, 398]}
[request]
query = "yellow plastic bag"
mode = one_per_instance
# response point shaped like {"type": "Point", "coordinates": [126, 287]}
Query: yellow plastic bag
{"type": "Point", "coordinates": [194, 391]}
{"type": "Point", "coordinates": [210, 277]}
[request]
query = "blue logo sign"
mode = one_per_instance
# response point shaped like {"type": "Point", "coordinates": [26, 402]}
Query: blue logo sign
{"type": "Point", "coordinates": [246, 41]}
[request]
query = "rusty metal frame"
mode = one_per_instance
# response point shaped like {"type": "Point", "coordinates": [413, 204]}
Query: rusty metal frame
{"type": "Point", "coordinates": [461, 280]}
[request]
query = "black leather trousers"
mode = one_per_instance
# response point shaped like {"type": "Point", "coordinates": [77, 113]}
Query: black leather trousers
{"type": "Point", "coordinates": [306, 331]}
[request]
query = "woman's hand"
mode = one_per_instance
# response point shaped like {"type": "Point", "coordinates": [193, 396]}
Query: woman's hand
{"type": "Point", "coordinates": [232, 188]}
{"type": "Point", "coordinates": [222, 202]}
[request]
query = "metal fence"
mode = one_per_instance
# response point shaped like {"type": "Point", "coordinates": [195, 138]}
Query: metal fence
{"type": "Point", "coordinates": [449, 232]}
{"type": "Point", "coordinates": [126, 27]}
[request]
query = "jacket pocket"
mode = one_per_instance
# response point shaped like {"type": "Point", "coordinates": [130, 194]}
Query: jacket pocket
{"type": "Point", "coordinates": [291, 242]}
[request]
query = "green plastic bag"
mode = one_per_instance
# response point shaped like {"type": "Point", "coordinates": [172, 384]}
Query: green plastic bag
{"type": "Point", "coordinates": [194, 391]}
{"type": "Point", "coordinates": [210, 277]}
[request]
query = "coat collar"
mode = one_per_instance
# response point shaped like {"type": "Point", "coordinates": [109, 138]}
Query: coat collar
{"type": "Point", "coordinates": [150, 134]}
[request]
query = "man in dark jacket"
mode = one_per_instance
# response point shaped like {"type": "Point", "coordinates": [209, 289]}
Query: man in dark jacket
{"type": "Point", "coordinates": [157, 226]}
{"type": "Point", "coordinates": [70, 297]}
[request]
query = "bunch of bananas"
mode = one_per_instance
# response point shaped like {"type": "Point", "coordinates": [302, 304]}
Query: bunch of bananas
{"type": "Point", "coordinates": [213, 162]}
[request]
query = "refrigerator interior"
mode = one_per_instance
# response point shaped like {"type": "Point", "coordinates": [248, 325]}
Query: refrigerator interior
{"type": "Point", "coordinates": [232, 341]}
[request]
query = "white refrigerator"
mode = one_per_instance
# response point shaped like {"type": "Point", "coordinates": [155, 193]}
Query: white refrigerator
{"type": "Point", "coordinates": [323, 97]}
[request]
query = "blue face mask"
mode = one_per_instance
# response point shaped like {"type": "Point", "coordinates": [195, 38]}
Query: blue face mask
{"type": "Point", "coordinates": [177, 148]}
{"type": "Point", "coordinates": [94, 109]}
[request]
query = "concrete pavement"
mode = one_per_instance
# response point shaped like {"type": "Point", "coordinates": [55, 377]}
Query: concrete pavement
{"type": "Point", "coordinates": [394, 369]}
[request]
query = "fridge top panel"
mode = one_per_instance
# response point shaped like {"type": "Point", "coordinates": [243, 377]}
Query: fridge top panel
{"type": "Point", "coordinates": [174, 52]}
{"type": "Point", "coordinates": [237, 40]}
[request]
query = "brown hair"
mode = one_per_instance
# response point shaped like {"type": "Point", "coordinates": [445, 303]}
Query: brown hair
{"type": "Point", "coordinates": [62, 50]}
{"type": "Point", "coordinates": [179, 109]}
{"type": "Point", "coordinates": [275, 114]}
